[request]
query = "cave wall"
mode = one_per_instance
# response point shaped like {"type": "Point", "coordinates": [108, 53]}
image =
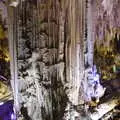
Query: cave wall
{"type": "Point", "coordinates": [47, 44]}
{"type": "Point", "coordinates": [106, 36]}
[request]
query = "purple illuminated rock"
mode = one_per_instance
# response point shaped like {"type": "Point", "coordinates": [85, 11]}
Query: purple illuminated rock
{"type": "Point", "coordinates": [6, 111]}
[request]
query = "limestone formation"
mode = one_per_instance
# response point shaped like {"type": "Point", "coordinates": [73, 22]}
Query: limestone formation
{"type": "Point", "coordinates": [54, 44]}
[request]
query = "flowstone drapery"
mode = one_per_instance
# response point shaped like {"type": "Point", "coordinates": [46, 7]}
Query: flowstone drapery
{"type": "Point", "coordinates": [49, 58]}
{"type": "Point", "coordinates": [52, 49]}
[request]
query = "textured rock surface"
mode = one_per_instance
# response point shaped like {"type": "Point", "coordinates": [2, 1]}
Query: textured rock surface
{"type": "Point", "coordinates": [50, 61]}
{"type": "Point", "coordinates": [5, 87]}
{"type": "Point", "coordinates": [53, 38]}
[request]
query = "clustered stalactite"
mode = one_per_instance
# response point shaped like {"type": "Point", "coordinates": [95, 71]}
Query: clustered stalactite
{"type": "Point", "coordinates": [44, 38]}
{"type": "Point", "coordinates": [48, 35]}
{"type": "Point", "coordinates": [52, 45]}
{"type": "Point", "coordinates": [106, 52]}
{"type": "Point", "coordinates": [106, 28]}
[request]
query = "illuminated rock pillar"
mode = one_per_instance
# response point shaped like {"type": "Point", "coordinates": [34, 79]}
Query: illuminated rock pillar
{"type": "Point", "coordinates": [47, 47]}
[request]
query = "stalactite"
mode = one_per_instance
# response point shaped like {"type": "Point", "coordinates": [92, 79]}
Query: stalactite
{"type": "Point", "coordinates": [54, 44]}
{"type": "Point", "coordinates": [51, 53]}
